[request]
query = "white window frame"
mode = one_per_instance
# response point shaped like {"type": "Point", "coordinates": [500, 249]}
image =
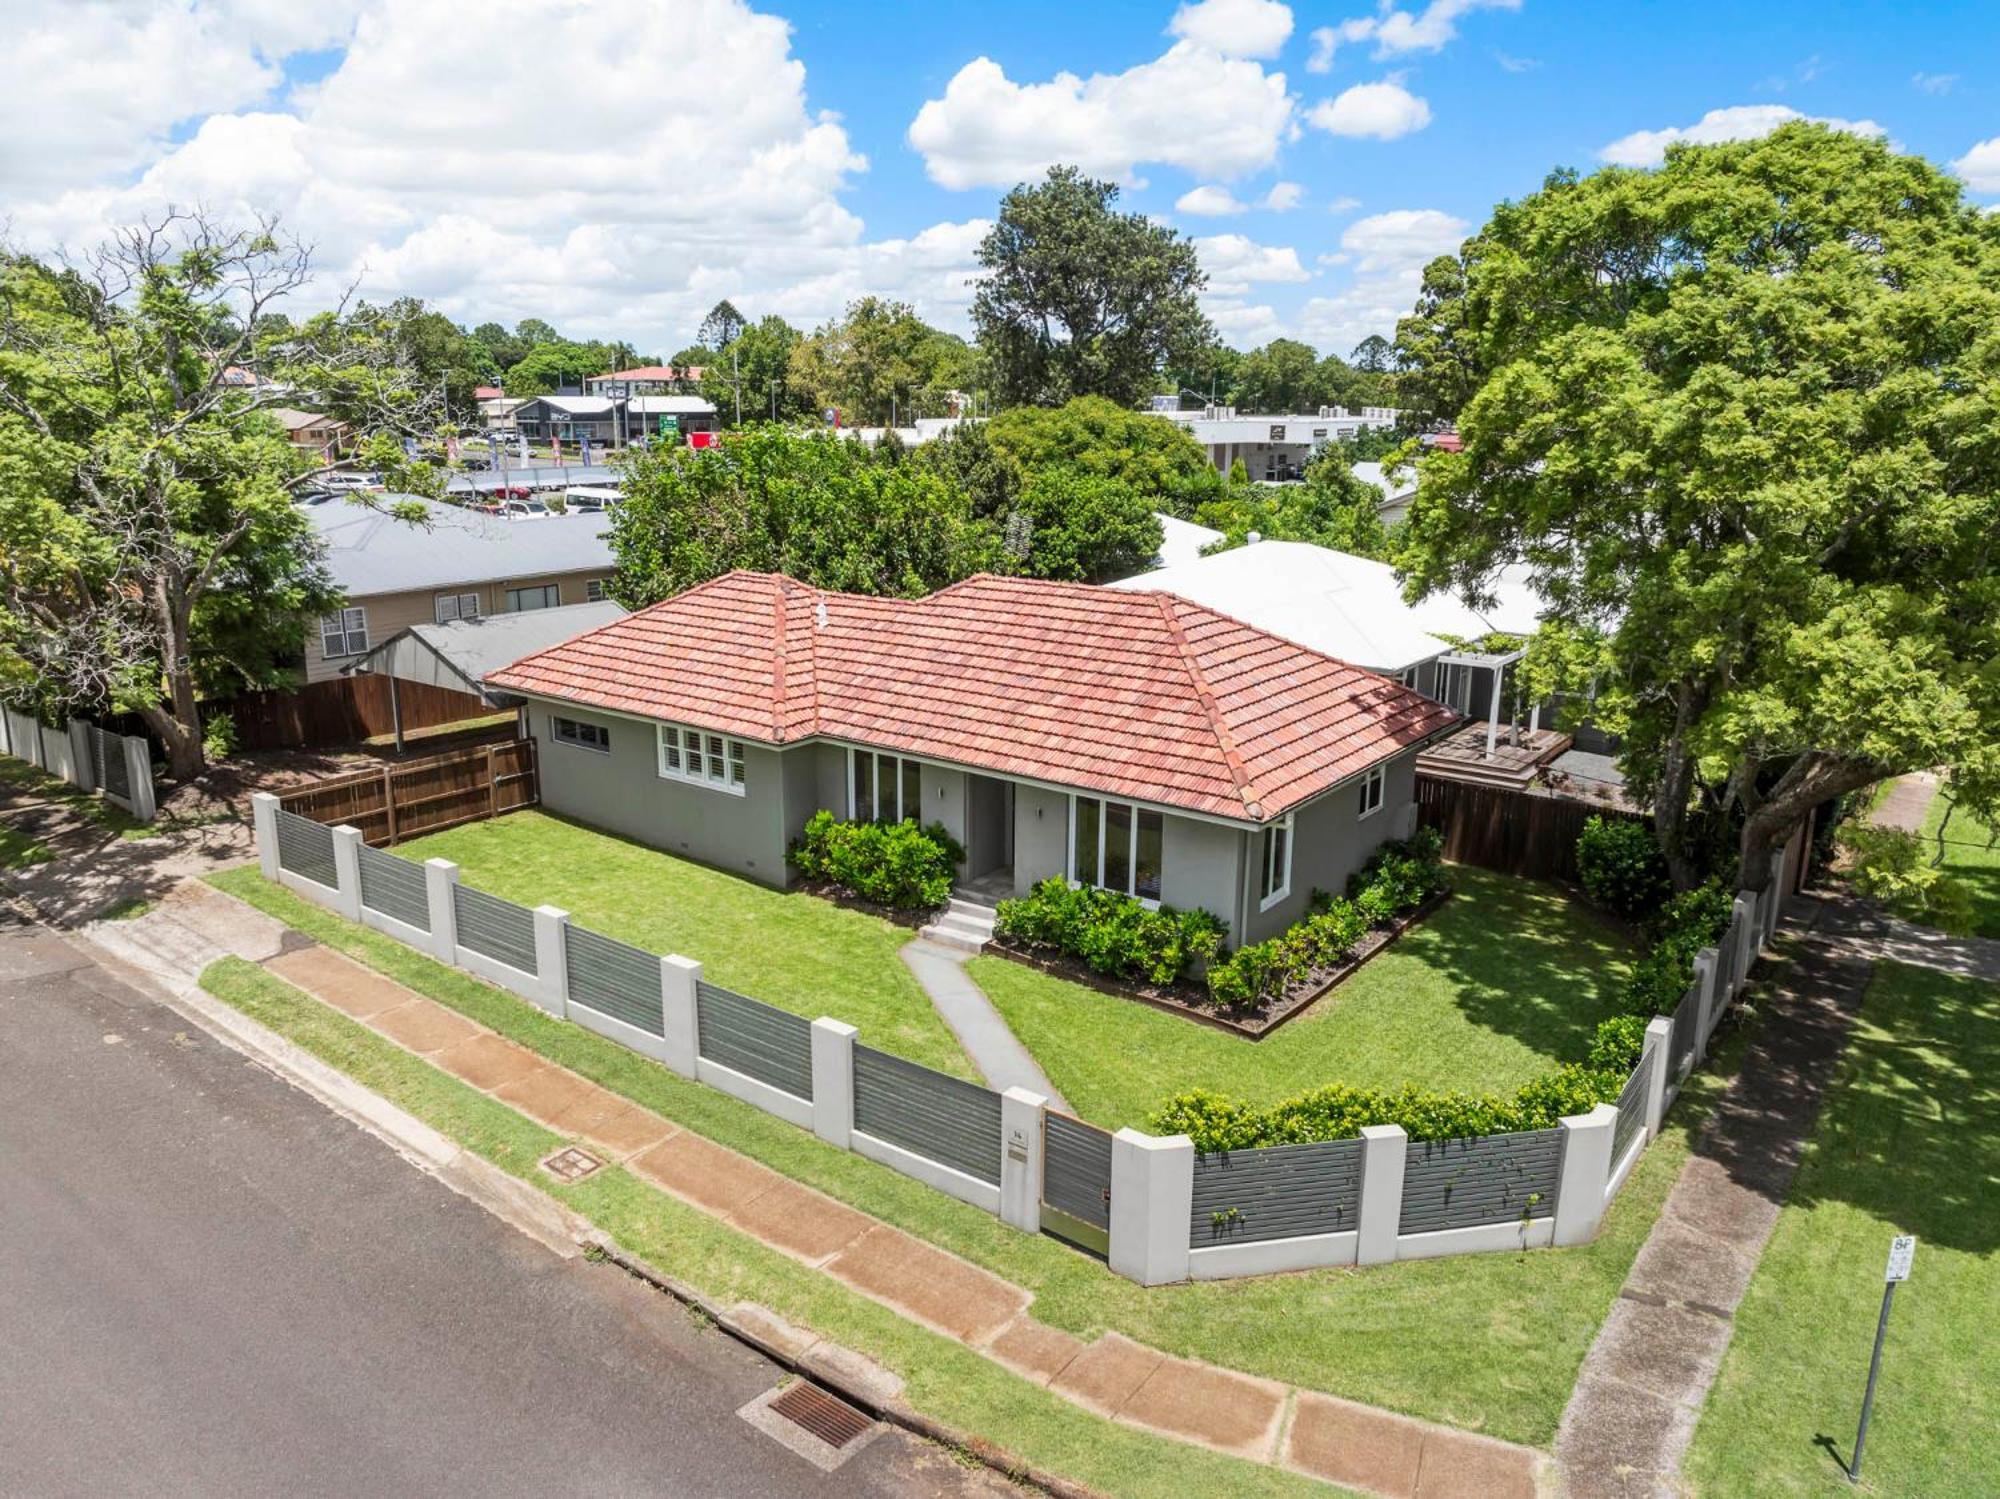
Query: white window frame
{"type": "Point", "coordinates": [903, 813]}
{"type": "Point", "coordinates": [339, 641]}
{"type": "Point", "coordinates": [551, 598]}
{"type": "Point", "coordinates": [457, 606]}
{"type": "Point", "coordinates": [701, 757]}
{"type": "Point", "coordinates": [1280, 879]}
{"type": "Point", "coordinates": [582, 731]}
{"type": "Point", "coordinates": [1150, 902]}
{"type": "Point", "coordinates": [593, 591]}
{"type": "Point", "coordinates": [1374, 787]}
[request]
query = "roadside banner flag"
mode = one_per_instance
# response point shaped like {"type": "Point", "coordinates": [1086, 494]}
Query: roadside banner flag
{"type": "Point", "coordinates": [523, 439]}
{"type": "Point", "coordinates": [587, 459]}
{"type": "Point", "coordinates": [555, 450]}
{"type": "Point", "coordinates": [451, 446]}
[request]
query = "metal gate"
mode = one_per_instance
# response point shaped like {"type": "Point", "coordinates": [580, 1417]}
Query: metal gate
{"type": "Point", "coordinates": [1076, 1182]}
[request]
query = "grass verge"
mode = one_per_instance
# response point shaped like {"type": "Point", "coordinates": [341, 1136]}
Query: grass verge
{"type": "Point", "coordinates": [792, 950]}
{"type": "Point", "coordinates": [1486, 1342]}
{"type": "Point", "coordinates": [943, 1378]}
{"type": "Point", "coordinates": [1971, 852]}
{"type": "Point", "coordinates": [1503, 982]}
{"type": "Point", "coordinates": [1908, 1141]}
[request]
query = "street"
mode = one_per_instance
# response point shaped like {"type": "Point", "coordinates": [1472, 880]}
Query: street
{"type": "Point", "coordinates": [210, 1284]}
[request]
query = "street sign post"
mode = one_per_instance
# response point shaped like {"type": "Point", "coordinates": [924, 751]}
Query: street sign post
{"type": "Point", "coordinates": [1902, 1250]}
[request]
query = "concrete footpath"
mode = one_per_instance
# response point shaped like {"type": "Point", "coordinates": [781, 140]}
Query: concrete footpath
{"type": "Point", "coordinates": [1256, 1419]}
{"type": "Point", "coordinates": [1643, 1384]}
{"type": "Point", "coordinates": [981, 1029]}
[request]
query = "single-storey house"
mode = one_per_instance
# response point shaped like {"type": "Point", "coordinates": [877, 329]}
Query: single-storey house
{"type": "Point", "coordinates": [456, 564]}
{"type": "Point", "coordinates": [327, 438]}
{"type": "Point", "coordinates": [1132, 740]}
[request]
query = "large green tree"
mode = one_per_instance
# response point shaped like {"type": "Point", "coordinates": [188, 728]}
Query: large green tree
{"type": "Point", "coordinates": [880, 364]}
{"type": "Point", "coordinates": [1740, 418]}
{"type": "Point", "coordinates": [755, 371]}
{"type": "Point", "coordinates": [1331, 508]}
{"type": "Point", "coordinates": [1080, 299]}
{"type": "Point", "coordinates": [151, 550]}
{"type": "Point", "coordinates": [1155, 458]}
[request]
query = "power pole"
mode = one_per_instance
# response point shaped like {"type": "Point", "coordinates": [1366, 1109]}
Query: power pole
{"type": "Point", "coordinates": [736, 379]}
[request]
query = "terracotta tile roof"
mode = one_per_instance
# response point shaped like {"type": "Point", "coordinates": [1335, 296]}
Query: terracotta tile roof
{"type": "Point", "coordinates": [1135, 694]}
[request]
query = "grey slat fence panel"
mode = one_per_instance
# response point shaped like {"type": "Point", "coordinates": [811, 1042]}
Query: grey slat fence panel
{"type": "Point", "coordinates": [616, 979]}
{"type": "Point", "coordinates": [1276, 1192]}
{"type": "Point", "coordinates": [395, 887]}
{"type": "Point", "coordinates": [306, 847]}
{"type": "Point", "coordinates": [1631, 1113]}
{"type": "Point", "coordinates": [938, 1117]}
{"type": "Point", "coordinates": [1490, 1179]}
{"type": "Point", "coordinates": [114, 777]}
{"type": "Point", "coordinates": [1680, 1047]}
{"type": "Point", "coordinates": [772, 1045]}
{"type": "Point", "coordinates": [1076, 1169]}
{"type": "Point", "coordinates": [495, 928]}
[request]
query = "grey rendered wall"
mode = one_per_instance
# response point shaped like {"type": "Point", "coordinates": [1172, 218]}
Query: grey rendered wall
{"type": "Point", "coordinates": [1201, 868]}
{"type": "Point", "coordinates": [944, 799]}
{"type": "Point", "coordinates": [1329, 843]}
{"type": "Point", "coordinates": [623, 792]}
{"type": "Point", "coordinates": [1041, 836]}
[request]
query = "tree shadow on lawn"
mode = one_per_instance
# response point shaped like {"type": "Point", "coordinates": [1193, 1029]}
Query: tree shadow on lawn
{"type": "Point", "coordinates": [1527, 961]}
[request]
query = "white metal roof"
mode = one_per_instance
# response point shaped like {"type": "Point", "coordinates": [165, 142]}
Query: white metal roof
{"type": "Point", "coordinates": [1182, 541]}
{"type": "Point", "coordinates": [670, 406]}
{"type": "Point", "coordinates": [579, 405]}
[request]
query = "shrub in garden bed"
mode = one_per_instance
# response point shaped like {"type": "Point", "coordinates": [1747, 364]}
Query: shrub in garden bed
{"type": "Point", "coordinates": [894, 864]}
{"type": "Point", "coordinates": [1619, 862]}
{"type": "Point", "coordinates": [1112, 934]}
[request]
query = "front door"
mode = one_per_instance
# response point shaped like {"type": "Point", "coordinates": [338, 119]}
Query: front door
{"type": "Point", "coordinates": [989, 826]}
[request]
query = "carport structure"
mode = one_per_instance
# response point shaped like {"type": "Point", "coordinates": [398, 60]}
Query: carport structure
{"type": "Point", "coordinates": [457, 654]}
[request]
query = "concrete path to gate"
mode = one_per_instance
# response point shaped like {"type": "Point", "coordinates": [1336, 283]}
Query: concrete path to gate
{"type": "Point", "coordinates": [1261, 1420]}
{"type": "Point", "coordinates": [995, 1050]}
{"type": "Point", "coordinates": [1643, 1383]}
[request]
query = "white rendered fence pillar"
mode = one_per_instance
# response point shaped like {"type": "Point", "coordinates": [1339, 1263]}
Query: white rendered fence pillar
{"type": "Point", "coordinates": [264, 828]}
{"type": "Point", "coordinates": [1776, 890]}
{"type": "Point", "coordinates": [833, 1081]}
{"type": "Point", "coordinates": [1745, 924]}
{"type": "Point", "coordinates": [1022, 1116]}
{"type": "Point", "coordinates": [83, 764]}
{"type": "Point", "coordinates": [679, 978]}
{"type": "Point", "coordinates": [440, 886]}
{"type": "Point", "coordinates": [552, 960]}
{"type": "Point", "coordinates": [347, 870]}
{"type": "Point", "coordinates": [139, 775]}
{"type": "Point", "coordinates": [1385, 1150]}
{"type": "Point", "coordinates": [1705, 986]}
{"type": "Point", "coordinates": [1656, 1058]}
{"type": "Point", "coordinates": [1586, 1175]}
{"type": "Point", "coordinates": [1152, 1203]}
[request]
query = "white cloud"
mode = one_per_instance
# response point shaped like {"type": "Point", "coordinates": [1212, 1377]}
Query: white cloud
{"type": "Point", "coordinates": [1395, 32]}
{"type": "Point", "coordinates": [1235, 263]}
{"type": "Point", "coordinates": [1382, 110]}
{"type": "Point", "coordinates": [464, 184]}
{"type": "Point", "coordinates": [1740, 122]}
{"type": "Point", "coordinates": [1190, 107]}
{"type": "Point", "coordinates": [1235, 28]}
{"type": "Point", "coordinates": [1284, 197]}
{"type": "Point", "coordinates": [1388, 253]}
{"type": "Point", "coordinates": [1343, 205]}
{"type": "Point", "coordinates": [1209, 201]}
{"type": "Point", "coordinates": [1980, 167]}
{"type": "Point", "coordinates": [1325, 41]}
{"type": "Point", "coordinates": [1934, 83]}
{"type": "Point", "coordinates": [1244, 325]}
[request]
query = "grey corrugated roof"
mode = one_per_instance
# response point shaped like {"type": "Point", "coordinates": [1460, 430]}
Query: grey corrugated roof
{"type": "Point", "coordinates": [473, 647]}
{"type": "Point", "coordinates": [369, 552]}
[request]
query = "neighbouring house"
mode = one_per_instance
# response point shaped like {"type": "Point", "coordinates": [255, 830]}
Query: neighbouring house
{"type": "Point", "coordinates": [1132, 740]}
{"type": "Point", "coordinates": [327, 438]}
{"type": "Point", "coordinates": [1274, 449]}
{"type": "Point", "coordinates": [647, 380]}
{"type": "Point", "coordinates": [1398, 487]}
{"type": "Point", "coordinates": [497, 408]}
{"type": "Point", "coordinates": [458, 564]}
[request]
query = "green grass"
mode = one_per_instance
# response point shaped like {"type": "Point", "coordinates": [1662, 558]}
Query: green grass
{"type": "Point", "coordinates": [943, 1379]}
{"type": "Point", "coordinates": [18, 850]}
{"type": "Point", "coordinates": [1504, 981]}
{"type": "Point", "coordinates": [1972, 853]}
{"type": "Point", "coordinates": [1486, 1342]}
{"type": "Point", "coordinates": [127, 908]}
{"type": "Point", "coordinates": [1908, 1141]}
{"type": "Point", "coordinates": [789, 949]}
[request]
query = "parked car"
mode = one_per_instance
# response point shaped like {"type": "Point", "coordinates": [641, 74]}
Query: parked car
{"type": "Point", "coordinates": [348, 480]}
{"type": "Point", "coordinates": [527, 510]}
{"type": "Point", "coordinates": [583, 499]}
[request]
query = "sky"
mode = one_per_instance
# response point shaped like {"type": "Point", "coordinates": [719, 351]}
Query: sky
{"type": "Point", "coordinates": [615, 167]}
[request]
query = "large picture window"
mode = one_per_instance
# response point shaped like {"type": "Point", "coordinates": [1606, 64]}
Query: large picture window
{"type": "Point", "coordinates": [884, 788]}
{"type": "Point", "coordinates": [1116, 845]}
{"type": "Point", "coordinates": [712, 760]}
{"type": "Point", "coordinates": [343, 633]}
{"type": "Point", "coordinates": [1274, 872]}
{"type": "Point", "coordinates": [544, 596]}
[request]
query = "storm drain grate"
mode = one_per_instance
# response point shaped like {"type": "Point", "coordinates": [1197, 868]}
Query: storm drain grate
{"type": "Point", "coordinates": [833, 1421]}
{"type": "Point", "coordinates": [570, 1164]}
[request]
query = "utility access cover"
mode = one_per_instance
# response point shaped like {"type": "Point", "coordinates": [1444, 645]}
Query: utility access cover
{"type": "Point", "coordinates": [571, 1165]}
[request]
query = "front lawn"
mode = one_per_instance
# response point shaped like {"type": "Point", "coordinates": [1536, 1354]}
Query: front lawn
{"type": "Point", "coordinates": [1506, 980]}
{"type": "Point", "coordinates": [1908, 1141]}
{"type": "Point", "coordinates": [1972, 854]}
{"type": "Point", "coordinates": [1489, 1342]}
{"type": "Point", "coordinates": [792, 950]}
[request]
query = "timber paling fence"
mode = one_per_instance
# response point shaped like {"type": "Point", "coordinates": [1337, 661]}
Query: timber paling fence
{"type": "Point", "coordinates": [1524, 833]}
{"type": "Point", "coordinates": [1158, 1210]}
{"type": "Point", "coordinates": [407, 799]}
{"type": "Point", "coordinates": [88, 757]}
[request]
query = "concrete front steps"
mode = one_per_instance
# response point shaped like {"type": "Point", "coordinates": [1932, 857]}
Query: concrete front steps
{"type": "Point", "coordinates": [966, 925]}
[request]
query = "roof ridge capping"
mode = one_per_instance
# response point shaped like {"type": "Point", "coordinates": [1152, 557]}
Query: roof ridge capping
{"type": "Point", "coordinates": [1232, 757]}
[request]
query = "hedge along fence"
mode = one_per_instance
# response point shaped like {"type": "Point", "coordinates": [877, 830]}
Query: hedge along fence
{"type": "Point", "coordinates": [88, 757]}
{"type": "Point", "coordinates": [1173, 1215]}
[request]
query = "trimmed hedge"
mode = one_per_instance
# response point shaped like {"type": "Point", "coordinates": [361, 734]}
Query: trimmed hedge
{"type": "Point", "coordinates": [1111, 933]}
{"type": "Point", "coordinates": [1619, 862]}
{"type": "Point", "coordinates": [1400, 876]}
{"type": "Point", "coordinates": [894, 864]}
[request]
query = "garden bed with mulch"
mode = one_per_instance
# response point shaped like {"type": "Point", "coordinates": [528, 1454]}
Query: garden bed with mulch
{"type": "Point", "coordinates": [1190, 999]}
